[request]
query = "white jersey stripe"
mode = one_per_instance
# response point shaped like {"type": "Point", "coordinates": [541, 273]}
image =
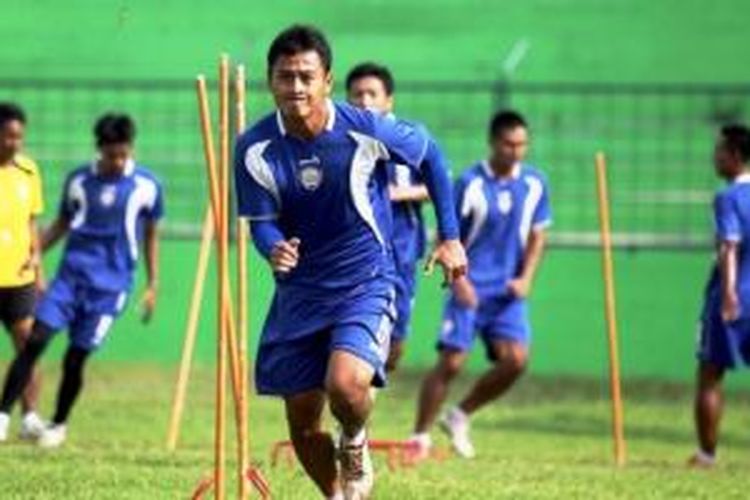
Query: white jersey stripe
{"type": "Point", "coordinates": [366, 156]}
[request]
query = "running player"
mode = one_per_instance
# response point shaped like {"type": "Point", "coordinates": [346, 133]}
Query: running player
{"type": "Point", "coordinates": [371, 86]}
{"type": "Point", "coordinates": [504, 210]}
{"type": "Point", "coordinates": [311, 178]}
{"type": "Point", "coordinates": [109, 207]}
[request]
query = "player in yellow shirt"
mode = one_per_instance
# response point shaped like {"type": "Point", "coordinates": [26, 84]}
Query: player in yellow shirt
{"type": "Point", "coordinates": [20, 262]}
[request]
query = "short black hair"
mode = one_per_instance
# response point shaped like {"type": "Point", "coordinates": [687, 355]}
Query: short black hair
{"type": "Point", "coordinates": [114, 128]}
{"type": "Point", "coordinates": [10, 111]}
{"type": "Point", "coordinates": [505, 119]}
{"type": "Point", "coordinates": [299, 38]}
{"type": "Point", "coordinates": [737, 140]}
{"type": "Point", "coordinates": [371, 69]}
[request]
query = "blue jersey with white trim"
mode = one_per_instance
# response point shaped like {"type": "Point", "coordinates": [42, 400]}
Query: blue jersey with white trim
{"type": "Point", "coordinates": [329, 191]}
{"type": "Point", "coordinates": [107, 216]}
{"type": "Point", "coordinates": [496, 216]}
{"type": "Point", "coordinates": [731, 210]}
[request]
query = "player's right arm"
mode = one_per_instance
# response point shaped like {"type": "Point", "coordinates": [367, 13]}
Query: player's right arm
{"type": "Point", "coordinates": [259, 202]}
{"type": "Point", "coordinates": [54, 232]}
{"type": "Point", "coordinates": [463, 290]}
{"type": "Point", "coordinates": [61, 225]}
{"type": "Point", "coordinates": [728, 235]}
{"type": "Point", "coordinates": [417, 193]}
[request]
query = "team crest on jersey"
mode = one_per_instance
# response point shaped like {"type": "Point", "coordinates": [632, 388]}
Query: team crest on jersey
{"type": "Point", "coordinates": [504, 202]}
{"type": "Point", "coordinates": [310, 173]}
{"type": "Point", "coordinates": [107, 196]}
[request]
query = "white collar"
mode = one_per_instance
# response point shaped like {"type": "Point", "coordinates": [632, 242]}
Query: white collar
{"type": "Point", "coordinates": [329, 124]}
{"type": "Point", "coordinates": [743, 178]}
{"type": "Point", "coordinates": [129, 167]}
{"type": "Point", "coordinates": [515, 173]}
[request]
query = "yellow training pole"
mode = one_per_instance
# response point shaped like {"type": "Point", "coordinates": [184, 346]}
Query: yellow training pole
{"type": "Point", "coordinates": [207, 235]}
{"type": "Point", "coordinates": [221, 369]}
{"type": "Point", "coordinates": [223, 206]}
{"type": "Point", "coordinates": [618, 434]}
{"type": "Point", "coordinates": [242, 317]}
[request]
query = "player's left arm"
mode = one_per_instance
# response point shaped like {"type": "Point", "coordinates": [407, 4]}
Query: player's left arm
{"type": "Point", "coordinates": [413, 145]}
{"type": "Point", "coordinates": [151, 261]}
{"type": "Point", "coordinates": [34, 262]}
{"type": "Point", "coordinates": [36, 255]}
{"type": "Point", "coordinates": [417, 193]}
{"type": "Point", "coordinates": [728, 235]}
{"type": "Point", "coordinates": [730, 301]}
{"type": "Point", "coordinates": [151, 236]}
{"type": "Point", "coordinates": [521, 285]}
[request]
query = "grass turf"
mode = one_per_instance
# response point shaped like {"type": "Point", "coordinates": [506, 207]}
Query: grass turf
{"type": "Point", "coordinates": [548, 439]}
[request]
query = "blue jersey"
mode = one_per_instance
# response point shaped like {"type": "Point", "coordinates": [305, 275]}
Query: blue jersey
{"type": "Point", "coordinates": [331, 192]}
{"type": "Point", "coordinates": [732, 223]}
{"type": "Point", "coordinates": [496, 216]}
{"type": "Point", "coordinates": [107, 216]}
{"type": "Point", "coordinates": [409, 233]}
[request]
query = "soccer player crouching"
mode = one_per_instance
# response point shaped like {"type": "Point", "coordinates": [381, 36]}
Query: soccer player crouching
{"type": "Point", "coordinates": [109, 207]}
{"type": "Point", "coordinates": [724, 342]}
{"type": "Point", "coordinates": [504, 209]}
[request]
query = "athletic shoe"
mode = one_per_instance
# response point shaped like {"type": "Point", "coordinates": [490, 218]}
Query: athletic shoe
{"type": "Point", "coordinates": [357, 475]}
{"type": "Point", "coordinates": [53, 436]}
{"type": "Point", "coordinates": [418, 448]}
{"type": "Point", "coordinates": [701, 460]}
{"type": "Point", "coordinates": [32, 426]}
{"type": "Point", "coordinates": [4, 424]}
{"type": "Point", "coordinates": [455, 424]}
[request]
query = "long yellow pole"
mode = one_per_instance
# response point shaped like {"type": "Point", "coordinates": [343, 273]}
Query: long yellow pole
{"type": "Point", "coordinates": [610, 310]}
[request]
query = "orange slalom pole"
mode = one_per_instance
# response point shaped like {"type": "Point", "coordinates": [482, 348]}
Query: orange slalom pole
{"type": "Point", "coordinates": [610, 310]}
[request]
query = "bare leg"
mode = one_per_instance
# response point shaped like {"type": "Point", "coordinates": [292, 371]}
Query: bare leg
{"type": "Point", "coordinates": [510, 363]}
{"type": "Point", "coordinates": [348, 383]}
{"type": "Point", "coordinates": [314, 448]}
{"type": "Point", "coordinates": [708, 406]}
{"type": "Point", "coordinates": [435, 388]}
{"type": "Point", "coordinates": [21, 330]}
{"type": "Point", "coordinates": [394, 355]}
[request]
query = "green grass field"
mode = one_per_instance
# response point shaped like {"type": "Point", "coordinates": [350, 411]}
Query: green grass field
{"type": "Point", "coordinates": [548, 439]}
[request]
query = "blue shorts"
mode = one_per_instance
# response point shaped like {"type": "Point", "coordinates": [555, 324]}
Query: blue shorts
{"type": "Point", "coordinates": [86, 312]}
{"type": "Point", "coordinates": [406, 289]}
{"type": "Point", "coordinates": [724, 345]}
{"type": "Point", "coordinates": [362, 327]}
{"type": "Point", "coordinates": [496, 318]}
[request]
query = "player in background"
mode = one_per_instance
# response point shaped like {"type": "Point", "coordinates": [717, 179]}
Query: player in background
{"type": "Point", "coordinates": [21, 276]}
{"type": "Point", "coordinates": [504, 210]}
{"type": "Point", "coordinates": [371, 86]}
{"type": "Point", "coordinates": [108, 208]}
{"type": "Point", "coordinates": [724, 342]}
{"type": "Point", "coordinates": [311, 178]}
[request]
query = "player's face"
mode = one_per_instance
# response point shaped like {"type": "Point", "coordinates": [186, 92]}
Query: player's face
{"type": "Point", "coordinates": [11, 139]}
{"type": "Point", "coordinates": [509, 146]}
{"type": "Point", "coordinates": [300, 84]}
{"type": "Point", "coordinates": [369, 92]}
{"type": "Point", "coordinates": [114, 157]}
{"type": "Point", "coordinates": [726, 162]}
